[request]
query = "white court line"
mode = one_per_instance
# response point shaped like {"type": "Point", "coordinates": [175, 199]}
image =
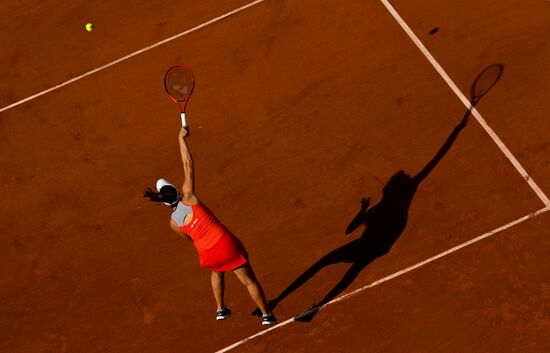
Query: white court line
{"type": "Point", "coordinates": [131, 55]}
{"type": "Point", "coordinates": [447, 79]}
{"type": "Point", "coordinates": [396, 274]}
{"type": "Point", "coordinates": [467, 103]}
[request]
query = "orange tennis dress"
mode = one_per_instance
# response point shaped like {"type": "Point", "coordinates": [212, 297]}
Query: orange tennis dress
{"type": "Point", "coordinates": [219, 250]}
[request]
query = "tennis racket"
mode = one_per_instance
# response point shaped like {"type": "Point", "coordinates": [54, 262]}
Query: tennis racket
{"type": "Point", "coordinates": [179, 83]}
{"type": "Point", "coordinates": [486, 80]}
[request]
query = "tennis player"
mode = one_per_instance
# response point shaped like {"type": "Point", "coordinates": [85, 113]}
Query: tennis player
{"type": "Point", "coordinates": [219, 250]}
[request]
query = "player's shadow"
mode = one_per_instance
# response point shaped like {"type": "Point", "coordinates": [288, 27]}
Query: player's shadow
{"type": "Point", "coordinates": [385, 221]}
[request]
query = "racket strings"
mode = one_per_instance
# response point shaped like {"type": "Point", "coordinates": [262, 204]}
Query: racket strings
{"type": "Point", "coordinates": [179, 83]}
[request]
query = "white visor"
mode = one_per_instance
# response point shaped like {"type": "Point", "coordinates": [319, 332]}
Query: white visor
{"type": "Point", "coordinates": [164, 182]}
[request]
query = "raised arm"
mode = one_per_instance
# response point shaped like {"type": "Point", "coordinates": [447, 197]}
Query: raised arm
{"type": "Point", "coordinates": [418, 178]}
{"type": "Point", "coordinates": [188, 188]}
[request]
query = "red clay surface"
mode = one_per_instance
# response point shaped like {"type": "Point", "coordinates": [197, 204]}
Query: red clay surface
{"type": "Point", "coordinates": [297, 116]}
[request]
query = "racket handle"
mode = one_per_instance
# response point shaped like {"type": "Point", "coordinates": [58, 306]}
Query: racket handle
{"type": "Point", "coordinates": [183, 121]}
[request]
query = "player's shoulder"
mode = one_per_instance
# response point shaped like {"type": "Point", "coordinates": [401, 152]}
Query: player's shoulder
{"type": "Point", "coordinates": [190, 199]}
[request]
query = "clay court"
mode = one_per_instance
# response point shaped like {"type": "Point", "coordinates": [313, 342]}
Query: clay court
{"type": "Point", "coordinates": [302, 110]}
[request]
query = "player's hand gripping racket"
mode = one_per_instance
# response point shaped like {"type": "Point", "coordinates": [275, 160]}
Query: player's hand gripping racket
{"type": "Point", "coordinates": [179, 83]}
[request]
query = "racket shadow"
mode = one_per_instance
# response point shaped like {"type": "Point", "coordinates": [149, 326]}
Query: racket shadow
{"type": "Point", "coordinates": [384, 222]}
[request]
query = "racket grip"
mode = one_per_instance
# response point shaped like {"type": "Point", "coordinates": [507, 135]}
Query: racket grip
{"type": "Point", "coordinates": [183, 121]}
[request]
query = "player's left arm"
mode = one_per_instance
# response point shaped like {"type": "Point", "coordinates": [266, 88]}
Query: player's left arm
{"type": "Point", "coordinates": [360, 218]}
{"type": "Point", "coordinates": [176, 229]}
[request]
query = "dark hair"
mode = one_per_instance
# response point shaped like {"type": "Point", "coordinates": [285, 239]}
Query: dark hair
{"type": "Point", "coordinates": [168, 194]}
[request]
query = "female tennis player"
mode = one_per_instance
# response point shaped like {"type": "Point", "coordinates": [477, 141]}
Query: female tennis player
{"type": "Point", "coordinates": [219, 250]}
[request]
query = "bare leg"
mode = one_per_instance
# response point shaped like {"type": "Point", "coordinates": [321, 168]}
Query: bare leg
{"type": "Point", "coordinates": [246, 275]}
{"type": "Point", "coordinates": [218, 287]}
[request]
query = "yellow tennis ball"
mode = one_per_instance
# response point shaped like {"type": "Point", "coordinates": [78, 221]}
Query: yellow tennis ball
{"type": "Point", "coordinates": [89, 27]}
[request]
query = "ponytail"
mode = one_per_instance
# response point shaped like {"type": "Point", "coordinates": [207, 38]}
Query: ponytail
{"type": "Point", "coordinates": [167, 195]}
{"type": "Point", "coordinates": [152, 195]}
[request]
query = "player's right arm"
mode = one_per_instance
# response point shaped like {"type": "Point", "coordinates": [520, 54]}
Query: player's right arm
{"type": "Point", "coordinates": [188, 188]}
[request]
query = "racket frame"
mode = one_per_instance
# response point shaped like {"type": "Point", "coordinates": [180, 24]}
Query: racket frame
{"type": "Point", "coordinates": [180, 103]}
{"type": "Point", "coordinates": [477, 97]}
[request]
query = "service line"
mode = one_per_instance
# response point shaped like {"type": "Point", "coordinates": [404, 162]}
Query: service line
{"type": "Point", "coordinates": [131, 55]}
